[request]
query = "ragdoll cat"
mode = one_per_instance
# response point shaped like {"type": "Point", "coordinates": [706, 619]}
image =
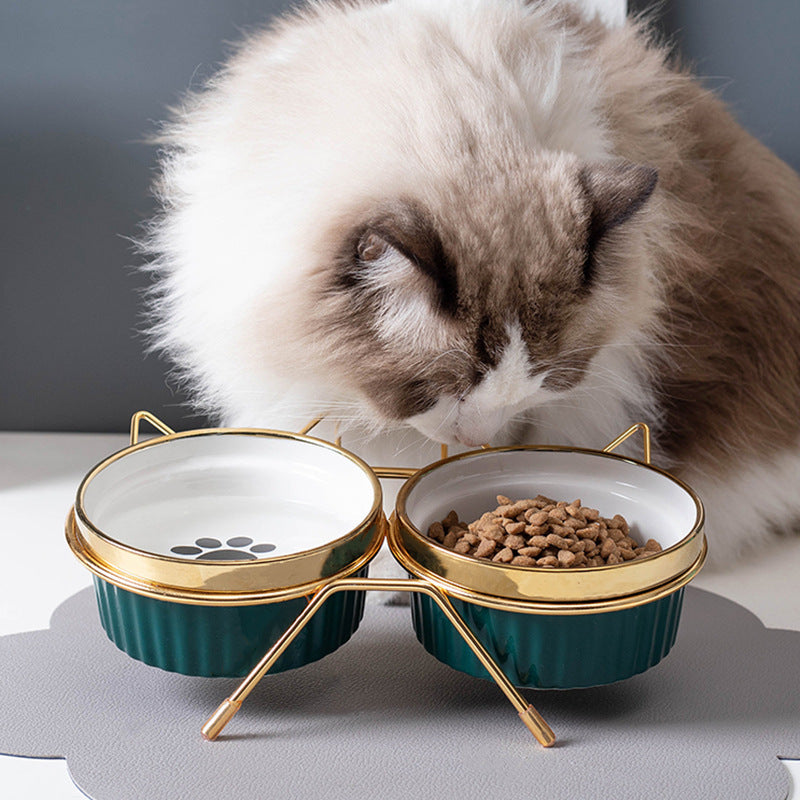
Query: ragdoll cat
{"type": "Point", "coordinates": [486, 221]}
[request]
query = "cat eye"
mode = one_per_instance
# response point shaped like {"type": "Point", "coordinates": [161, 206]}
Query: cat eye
{"type": "Point", "coordinates": [588, 268]}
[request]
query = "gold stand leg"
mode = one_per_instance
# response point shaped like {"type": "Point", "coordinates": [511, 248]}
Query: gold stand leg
{"type": "Point", "coordinates": [228, 708]}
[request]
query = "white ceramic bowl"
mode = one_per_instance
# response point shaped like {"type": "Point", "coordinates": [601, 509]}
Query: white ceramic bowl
{"type": "Point", "coordinates": [205, 545]}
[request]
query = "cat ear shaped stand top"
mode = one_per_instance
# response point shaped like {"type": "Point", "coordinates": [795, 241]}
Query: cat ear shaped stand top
{"type": "Point", "coordinates": [589, 613]}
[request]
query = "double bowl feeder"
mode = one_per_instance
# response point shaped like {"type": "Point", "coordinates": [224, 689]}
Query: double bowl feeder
{"type": "Point", "coordinates": [210, 547]}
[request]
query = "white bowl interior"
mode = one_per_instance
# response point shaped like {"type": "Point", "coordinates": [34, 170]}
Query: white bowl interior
{"type": "Point", "coordinates": [655, 505]}
{"type": "Point", "coordinates": [229, 497]}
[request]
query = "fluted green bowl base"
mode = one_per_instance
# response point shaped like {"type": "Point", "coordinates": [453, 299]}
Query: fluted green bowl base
{"type": "Point", "coordinates": [553, 651]}
{"type": "Point", "coordinates": [223, 641]}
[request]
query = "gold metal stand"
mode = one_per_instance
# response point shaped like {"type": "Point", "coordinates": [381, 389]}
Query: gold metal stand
{"type": "Point", "coordinates": [493, 586]}
{"type": "Point", "coordinates": [228, 708]}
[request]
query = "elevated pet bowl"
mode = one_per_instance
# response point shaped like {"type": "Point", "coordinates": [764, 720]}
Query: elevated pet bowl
{"type": "Point", "coordinates": [209, 547]}
{"type": "Point", "coordinates": [206, 545]}
{"type": "Point", "coordinates": [553, 628]}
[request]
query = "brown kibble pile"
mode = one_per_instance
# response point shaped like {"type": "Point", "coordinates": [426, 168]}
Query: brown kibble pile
{"type": "Point", "coordinates": [543, 533]}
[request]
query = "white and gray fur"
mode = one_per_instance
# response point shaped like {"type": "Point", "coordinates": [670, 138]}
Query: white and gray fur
{"type": "Point", "coordinates": [486, 220]}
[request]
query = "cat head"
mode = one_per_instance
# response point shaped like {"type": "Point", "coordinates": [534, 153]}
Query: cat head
{"type": "Point", "coordinates": [405, 212]}
{"type": "Point", "coordinates": [457, 312]}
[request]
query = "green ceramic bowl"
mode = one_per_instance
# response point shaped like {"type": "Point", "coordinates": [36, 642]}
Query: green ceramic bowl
{"type": "Point", "coordinates": [206, 545]}
{"type": "Point", "coordinates": [556, 628]}
{"type": "Point", "coordinates": [222, 641]}
{"type": "Point", "coordinates": [548, 651]}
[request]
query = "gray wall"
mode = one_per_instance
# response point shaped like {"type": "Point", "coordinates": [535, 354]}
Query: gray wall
{"type": "Point", "coordinates": [82, 83]}
{"type": "Point", "coordinates": [749, 53]}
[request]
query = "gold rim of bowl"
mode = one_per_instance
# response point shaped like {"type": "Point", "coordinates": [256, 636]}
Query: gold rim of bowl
{"type": "Point", "coordinates": [224, 582]}
{"type": "Point", "coordinates": [464, 575]}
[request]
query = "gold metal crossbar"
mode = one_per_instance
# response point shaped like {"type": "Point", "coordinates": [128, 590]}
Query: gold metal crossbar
{"type": "Point", "coordinates": [527, 713]}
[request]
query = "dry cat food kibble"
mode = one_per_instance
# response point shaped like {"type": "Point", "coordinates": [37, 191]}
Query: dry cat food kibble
{"type": "Point", "coordinates": [541, 532]}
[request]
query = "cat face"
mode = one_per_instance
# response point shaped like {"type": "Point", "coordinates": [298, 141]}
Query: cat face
{"type": "Point", "coordinates": [460, 310]}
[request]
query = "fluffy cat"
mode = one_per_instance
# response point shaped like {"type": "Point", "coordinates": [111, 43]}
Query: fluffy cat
{"type": "Point", "coordinates": [486, 220]}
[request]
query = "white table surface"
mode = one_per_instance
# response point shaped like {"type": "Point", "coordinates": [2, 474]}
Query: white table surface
{"type": "Point", "coordinates": [39, 473]}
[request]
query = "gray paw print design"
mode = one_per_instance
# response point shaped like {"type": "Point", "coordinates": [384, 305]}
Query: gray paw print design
{"type": "Point", "coordinates": [238, 548]}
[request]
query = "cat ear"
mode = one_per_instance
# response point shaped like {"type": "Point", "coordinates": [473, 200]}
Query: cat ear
{"type": "Point", "coordinates": [371, 246]}
{"type": "Point", "coordinates": [616, 192]}
{"type": "Point", "coordinates": [406, 236]}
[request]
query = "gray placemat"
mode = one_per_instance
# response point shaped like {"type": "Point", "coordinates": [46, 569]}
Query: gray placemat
{"type": "Point", "coordinates": [382, 718]}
